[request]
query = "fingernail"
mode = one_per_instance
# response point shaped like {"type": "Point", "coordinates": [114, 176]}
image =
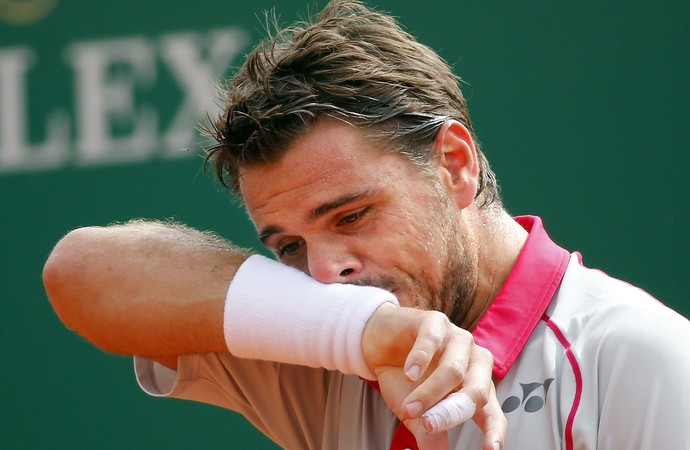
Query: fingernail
{"type": "Point", "coordinates": [497, 446]}
{"type": "Point", "coordinates": [430, 423]}
{"type": "Point", "coordinates": [414, 409]}
{"type": "Point", "coordinates": [413, 372]}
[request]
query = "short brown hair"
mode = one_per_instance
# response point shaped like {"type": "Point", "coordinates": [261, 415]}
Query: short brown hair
{"type": "Point", "coordinates": [352, 63]}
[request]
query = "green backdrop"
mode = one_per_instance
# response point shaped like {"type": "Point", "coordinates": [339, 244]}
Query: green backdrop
{"type": "Point", "coordinates": [582, 107]}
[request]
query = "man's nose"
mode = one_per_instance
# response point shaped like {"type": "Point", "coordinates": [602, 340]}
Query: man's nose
{"type": "Point", "coordinates": [332, 263]}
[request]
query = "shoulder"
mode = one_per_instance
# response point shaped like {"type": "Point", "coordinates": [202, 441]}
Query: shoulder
{"type": "Point", "coordinates": [616, 321]}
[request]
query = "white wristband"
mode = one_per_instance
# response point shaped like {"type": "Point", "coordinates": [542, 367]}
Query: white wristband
{"type": "Point", "coordinates": [276, 313]}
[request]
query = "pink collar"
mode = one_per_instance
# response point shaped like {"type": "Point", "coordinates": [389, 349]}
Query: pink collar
{"type": "Point", "coordinates": [512, 316]}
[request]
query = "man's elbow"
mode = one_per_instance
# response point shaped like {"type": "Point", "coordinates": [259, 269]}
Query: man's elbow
{"type": "Point", "coordinates": [66, 278]}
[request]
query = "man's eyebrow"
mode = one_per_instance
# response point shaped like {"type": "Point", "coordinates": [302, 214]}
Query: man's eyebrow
{"type": "Point", "coordinates": [318, 212]}
{"type": "Point", "coordinates": [268, 232]}
{"type": "Point", "coordinates": [327, 207]}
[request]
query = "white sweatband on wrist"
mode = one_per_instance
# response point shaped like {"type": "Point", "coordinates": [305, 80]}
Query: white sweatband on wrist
{"type": "Point", "coordinates": [277, 313]}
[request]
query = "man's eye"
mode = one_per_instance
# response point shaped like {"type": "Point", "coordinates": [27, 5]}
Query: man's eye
{"type": "Point", "coordinates": [289, 249]}
{"type": "Point", "coordinates": [354, 217]}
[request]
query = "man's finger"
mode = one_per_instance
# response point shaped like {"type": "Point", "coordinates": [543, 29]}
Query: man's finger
{"type": "Point", "coordinates": [449, 412]}
{"type": "Point", "coordinates": [425, 440]}
{"type": "Point", "coordinates": [449, 373]}
{"type": "Point", "coordinates": [493, 423]}
{"type": "Point", "coordinates": [431, 335]}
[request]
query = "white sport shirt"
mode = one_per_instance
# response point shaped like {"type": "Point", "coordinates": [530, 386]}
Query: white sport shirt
{"type": "Point", "coordinates": [581, 361]}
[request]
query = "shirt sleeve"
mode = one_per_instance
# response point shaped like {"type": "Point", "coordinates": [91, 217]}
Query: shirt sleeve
{"type": "Point", "coordinates": [285, 402]}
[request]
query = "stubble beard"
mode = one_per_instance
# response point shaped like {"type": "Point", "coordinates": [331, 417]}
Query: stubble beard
{"type": "Point", "coordinates": [459, 286]}
{"type": "Point", "coordinates": [452, 293]}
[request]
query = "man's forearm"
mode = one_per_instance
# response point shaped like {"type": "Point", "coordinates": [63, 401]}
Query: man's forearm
{"type": "Point", "coordinates": [160, 290]}
{"type": "Point", "coordinates": [145, 288]}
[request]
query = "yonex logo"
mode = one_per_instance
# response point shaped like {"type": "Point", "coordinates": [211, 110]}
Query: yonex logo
{"type": "Point", "coordinates": [531, 400]}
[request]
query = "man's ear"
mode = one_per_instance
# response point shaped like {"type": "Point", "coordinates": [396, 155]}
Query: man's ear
{"type": "Point", "coordinates": [457, 161]}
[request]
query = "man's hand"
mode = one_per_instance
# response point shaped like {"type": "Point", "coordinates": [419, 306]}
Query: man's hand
{"type": "Point", "coordinates": [419, 358]}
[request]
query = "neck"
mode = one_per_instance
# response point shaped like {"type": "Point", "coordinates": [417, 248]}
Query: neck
{"type": "Point", "coordinates": [498, 242]}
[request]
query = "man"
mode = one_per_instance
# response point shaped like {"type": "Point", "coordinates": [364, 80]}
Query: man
{"type": "Point", "coordinates": [352, 149]}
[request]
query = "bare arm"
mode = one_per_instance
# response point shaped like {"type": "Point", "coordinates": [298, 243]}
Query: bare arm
{"type": "Point", "coordinates": [158, 290]}
{"type": "Point", "coordinates": [143, 288]}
